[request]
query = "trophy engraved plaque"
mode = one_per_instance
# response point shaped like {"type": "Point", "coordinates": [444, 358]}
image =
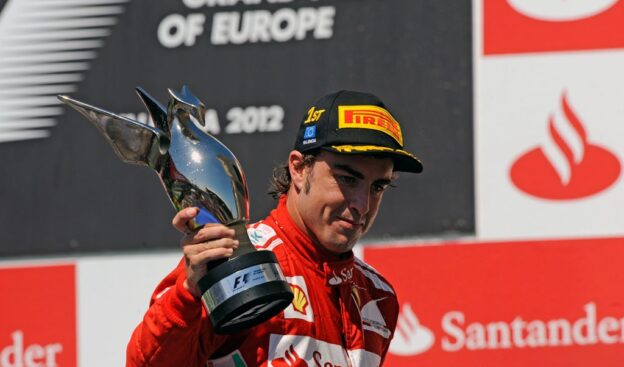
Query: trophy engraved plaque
{"type": "Point", "coordinates": [197, 170]}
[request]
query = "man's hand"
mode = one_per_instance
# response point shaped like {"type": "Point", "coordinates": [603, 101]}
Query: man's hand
{"type": "Point", "coordinates": [211, 242]}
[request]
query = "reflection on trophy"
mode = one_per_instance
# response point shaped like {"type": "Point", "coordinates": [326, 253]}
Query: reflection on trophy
{"type": "Point", "coordinates": [198, 170]}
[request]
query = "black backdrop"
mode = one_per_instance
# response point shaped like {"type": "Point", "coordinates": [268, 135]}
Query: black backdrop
{"type": "Point", "coordinates": [69, 193]}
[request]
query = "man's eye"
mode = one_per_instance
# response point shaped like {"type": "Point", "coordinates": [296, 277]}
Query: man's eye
{"type": "Point", "coordinates": [346, 179]}
{"type": "Point", "coordinates": [379, 188]}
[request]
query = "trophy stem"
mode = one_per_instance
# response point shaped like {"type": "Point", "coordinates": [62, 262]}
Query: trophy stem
{"type": "Point", "coordinates": [244, 243]}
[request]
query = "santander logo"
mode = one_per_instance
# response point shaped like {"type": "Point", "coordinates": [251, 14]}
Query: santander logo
{"type": "Point", "coordinates": [21, 354]}
{"type": "Point", "coordinates": [411, 337]}
{"type": "Point", "coordinates": [458, 333]}
{"type": "Point", "coordinates": [561, 10]}
{"type": "Point", "coordinates": [567, 166]}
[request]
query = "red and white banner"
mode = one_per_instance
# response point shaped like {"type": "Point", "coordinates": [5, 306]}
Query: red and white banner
{"type": "Point", "coordinates": [38, 318]}
{"type": "Point", "coordinates": [537, 303]}
{"type": "Point", "coordinates": [75, 312]}
{"type": "Point", "coordinates": [548, 147]}
{"type": "Point", "coordinates": [549, 152]}
{"type": "Point", "coordinates": [523, 26]}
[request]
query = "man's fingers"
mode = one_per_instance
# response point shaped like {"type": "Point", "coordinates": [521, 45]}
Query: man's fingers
{"type": "Point", "coordinates": [197, 262]}
{"type": "Point", "coordinates": [209, 232]}
{"type": "Point", "coordinates": [182, 217]}
{"type": "Point", "coordinates": [207, 256]}
{"type": "Point", "coordinates": [194, 249]}
{"type": "Point", "coordinates": [209, 243]}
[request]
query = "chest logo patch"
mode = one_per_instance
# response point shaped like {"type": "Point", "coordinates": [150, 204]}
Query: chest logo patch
{"type": "Point", "coordinates": [373, 320]}
{"type": "Point", "coordinates": [260, 235]}
{"type": "Point", "coordinates": [300, 300]}
{"type": "Point", "coordinates": [338, 276]}
{"type": "Point", "coordinates": [304, 351]}
{"type": "Point", "coordinates": [300, 307]}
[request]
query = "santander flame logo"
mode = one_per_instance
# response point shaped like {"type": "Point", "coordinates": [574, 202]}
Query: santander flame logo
{"type": "Point", "coordinates": [568, 166]}
{"type": "Point", "coordinates": [411, 337]}
{"type": "Point", "coordinates": [561, 10]}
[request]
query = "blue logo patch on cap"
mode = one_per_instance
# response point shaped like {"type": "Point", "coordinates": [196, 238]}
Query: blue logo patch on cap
{"type": "Point", "coordinates": [310, 132]}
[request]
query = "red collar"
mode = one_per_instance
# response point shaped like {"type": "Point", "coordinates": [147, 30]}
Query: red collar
{"type": "Point", "coordinates": [314, 255]}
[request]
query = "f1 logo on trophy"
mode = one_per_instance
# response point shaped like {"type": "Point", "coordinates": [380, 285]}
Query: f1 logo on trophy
{"type": "Point", "coordinates": [197, 170]}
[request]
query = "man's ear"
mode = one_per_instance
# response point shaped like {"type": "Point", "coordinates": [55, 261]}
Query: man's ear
{"type": "Point", "coordinates": [296, 169]}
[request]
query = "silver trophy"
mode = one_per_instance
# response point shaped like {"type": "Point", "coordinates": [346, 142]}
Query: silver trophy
{"type": "Point", "coordinates": [197, 170]}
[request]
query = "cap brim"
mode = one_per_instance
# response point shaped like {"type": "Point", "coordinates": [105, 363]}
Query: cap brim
{"type": "Point", "coordinates": [404, 161]}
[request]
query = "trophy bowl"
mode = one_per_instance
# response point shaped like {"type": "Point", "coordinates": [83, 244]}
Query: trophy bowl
{"type": "Point", "coordinates": [197, 170]}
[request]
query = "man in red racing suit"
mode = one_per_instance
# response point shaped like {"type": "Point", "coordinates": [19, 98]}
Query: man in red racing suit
{"type": "Point", "coordinates": [343, 313]}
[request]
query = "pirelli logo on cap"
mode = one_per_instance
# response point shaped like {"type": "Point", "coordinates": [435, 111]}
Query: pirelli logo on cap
{"type": "Point", "coordinates": [369, 117]}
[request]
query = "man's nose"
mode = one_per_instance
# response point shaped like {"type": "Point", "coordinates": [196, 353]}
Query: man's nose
{"type": "Point", "coordinates": [360, 202]}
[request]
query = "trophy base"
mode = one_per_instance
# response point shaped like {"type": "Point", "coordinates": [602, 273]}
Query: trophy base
{"type": "Point", "coordinates": [244, 291]}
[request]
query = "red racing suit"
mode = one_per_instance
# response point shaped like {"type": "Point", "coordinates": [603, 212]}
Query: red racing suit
{"type": "Point", "coordinates": [343, 314]}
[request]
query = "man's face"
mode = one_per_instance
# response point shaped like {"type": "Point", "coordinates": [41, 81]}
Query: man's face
{"type": "Point", "coordinates": [340, 196]}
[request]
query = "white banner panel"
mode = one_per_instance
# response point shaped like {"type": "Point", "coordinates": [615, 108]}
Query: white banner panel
{"type": "Point", "coordinates": [548, 142]}
{"type": "Point", "coordinates": [113, 294]}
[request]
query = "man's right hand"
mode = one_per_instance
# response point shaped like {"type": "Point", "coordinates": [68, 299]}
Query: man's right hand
{"type": "Point", "coordinates": [211, 242]}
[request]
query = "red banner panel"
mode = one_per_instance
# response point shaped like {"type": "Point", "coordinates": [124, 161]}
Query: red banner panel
{"type": "Point", "coordinates": [537, 303]}
{"type": "Point", "coordinates": [520, 26]}
{"type": "Point", "coordinates": [38, 318]}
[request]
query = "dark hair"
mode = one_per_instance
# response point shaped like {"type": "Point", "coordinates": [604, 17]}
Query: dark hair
{"type": "Point", "coordinates": [280, 180]}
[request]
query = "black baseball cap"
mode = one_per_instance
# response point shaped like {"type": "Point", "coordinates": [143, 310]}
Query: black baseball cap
{"type": "Point", "coordinates": [349, 122]}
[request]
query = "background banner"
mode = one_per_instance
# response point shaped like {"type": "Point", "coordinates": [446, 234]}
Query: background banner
{"type": "Point", "coordinates": [258, 66]}
{"type": "Point", "coordinates": [549, 155]}
{"type": "Point", "coordinates": [38, 323]}
{"type": "Point", "coordinates": [542, 303]}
